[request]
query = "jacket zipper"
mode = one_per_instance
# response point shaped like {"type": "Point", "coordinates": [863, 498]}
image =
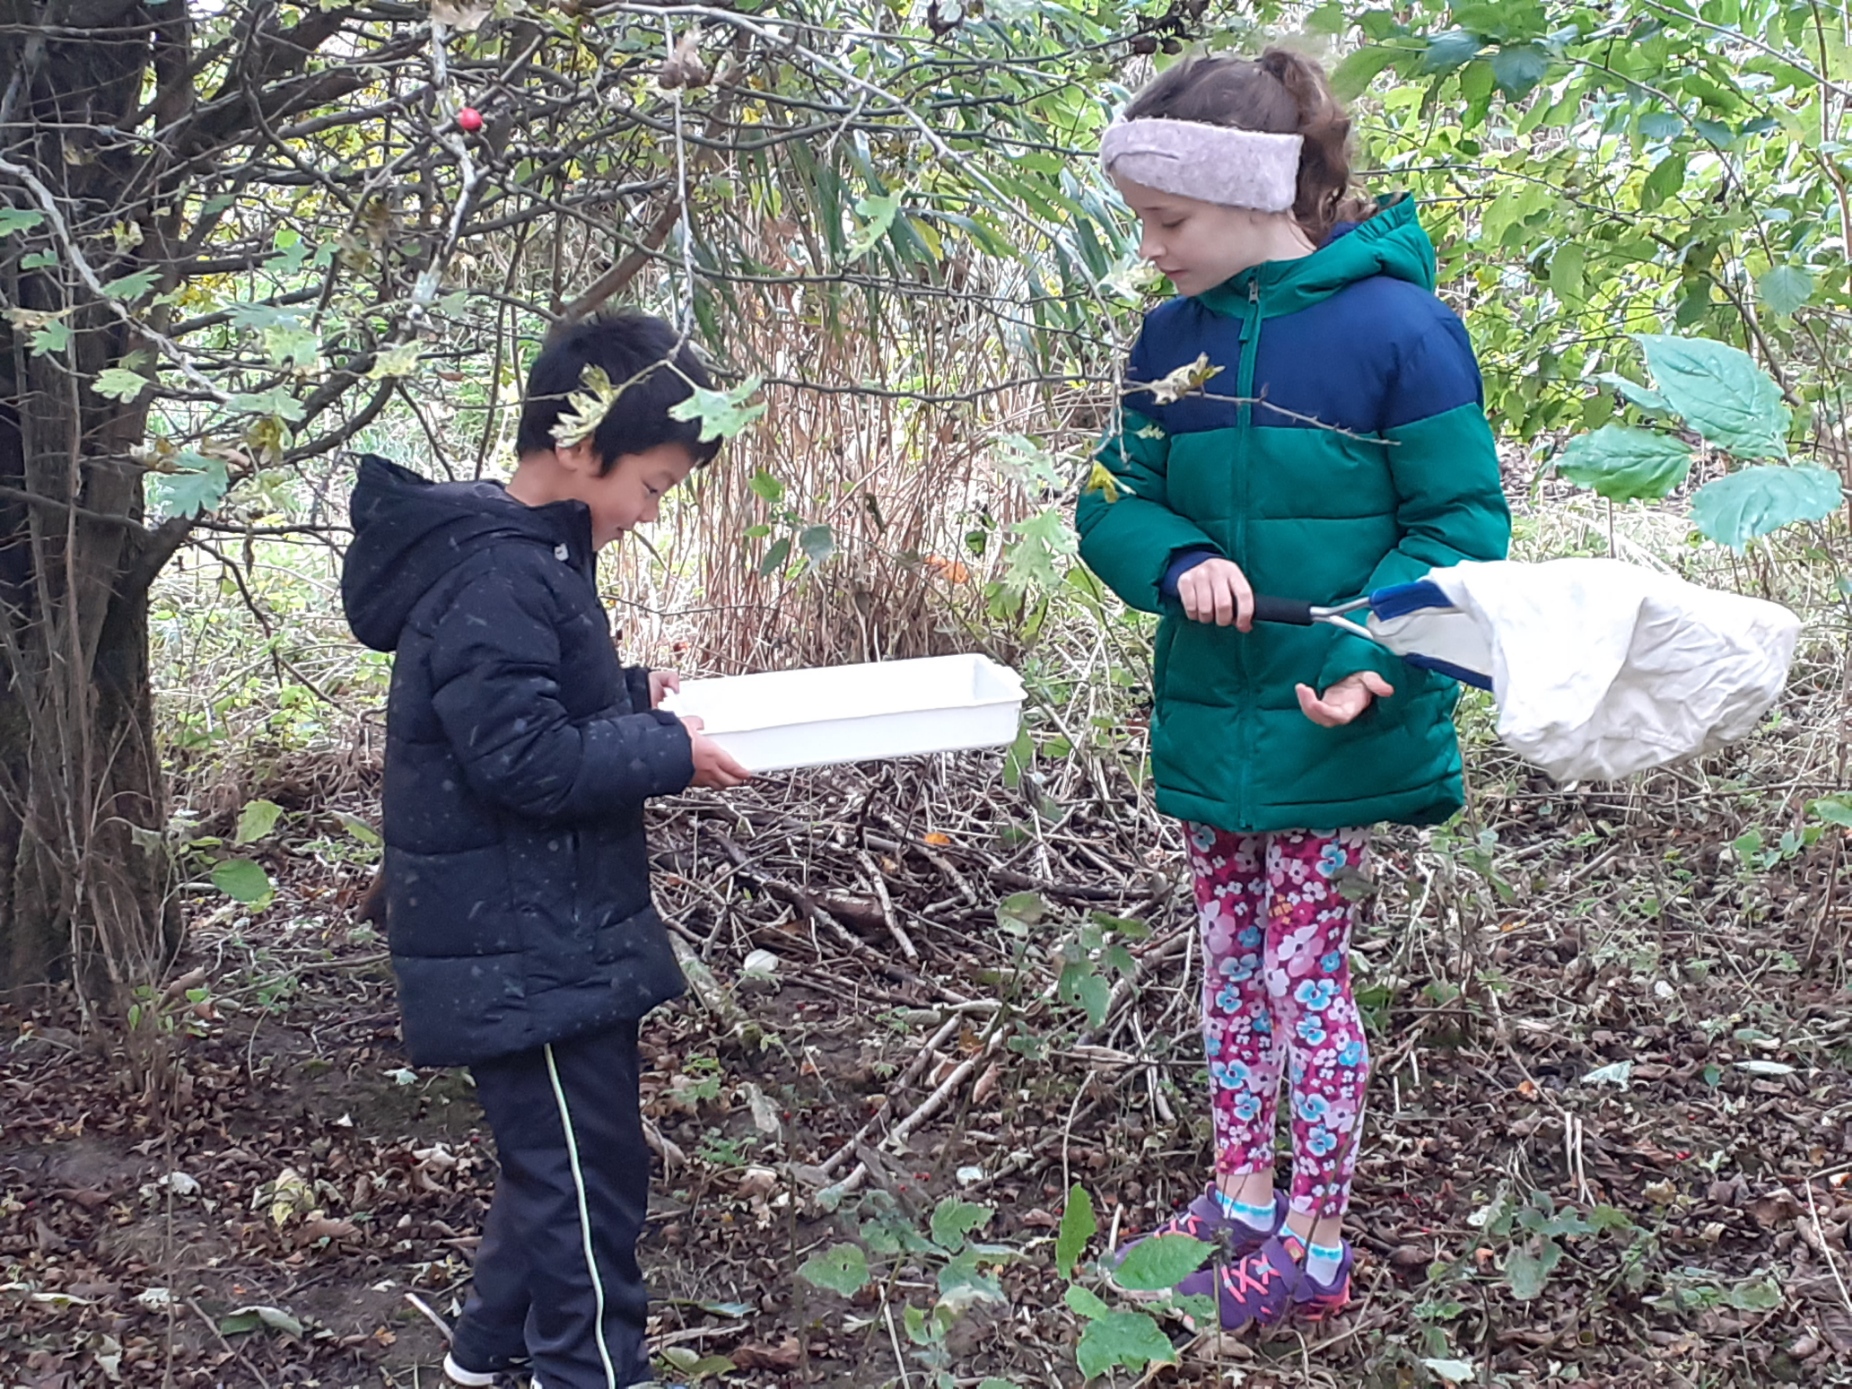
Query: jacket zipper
{"type": "Point", "coordinates": [1244, 441]}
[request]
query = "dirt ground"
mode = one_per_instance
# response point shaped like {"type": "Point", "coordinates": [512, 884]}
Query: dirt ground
{"type": "Point", "coordinates": [1610, 1139]}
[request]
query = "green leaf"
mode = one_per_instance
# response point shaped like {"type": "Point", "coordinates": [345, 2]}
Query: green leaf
{"type": "Point", "coordinates": [817, 542]}
{"type": "Point", "coordinates": [1667, 177]}
{"type": "Point", "coordinates": [1757, 1295]}
{"type": "Point", "coordinates": [842, 1268]}
{"type": "Point", "coordinates": [878, 213]}
{"type": "Point", "coordinates": [1084, 1302]}
{"type": "Point", "coordinates": [723, 414]}
{"type": "Point", "coordinates": [257, 819]}
{"type": "Point", "coordinates": [50, 338]}
{"type": "Point", "coordinates": [359, 828]}
{"type": "Point", "coordinates": [1567, 271]}
{"type": "Point", "coordinates": [953, 1219]}
{"type": "Point", "coordinates": [1081, 987]}
{"type": "Point", "coordinates": [242, 881]}
{"type": "Point", "coordinates": [1078, 1225]}
{"type": "Point", "coordinates": [251, 1318]}
{"type": "Point", "coordinates": [1527, 1268]}
{"type": "Point", "coordinates": [766, 487]}
{"type": "Point", "coordinates": [1026, 908]}
{"type": "Point", "coordinates": [1352, 76]}
{"type": "Point", "coordinates": [197, 484]}
{"type": "Point", "coordinates": [1736, 509]}
{"type": "Point", "coordinates": [1625, 464]}
{"type": "Point", "coordinates": [1662, 125]}
{"type": "Point", "coordinates": [1450, 50]}
{"type": "Point", "coordinates": [17, 219]}
{"type": "Point", "coordinates": [1720, 392]}
{"type": "Point", "coordinates": [1635, 394]}
{"type": "Point", "coordinates": [276, 403]}
{"type": "Point", "coordinates": [118, 383]}
{"type": "Point", "coordinates": [962, 1282]}
{"type": "Point", "coordinates": [1785, 289]}
{"type": "Point", "coordinates": [1451, 1371]}
{"type": "Point", "coordinates": [132, 287]}
{"type": "Point", "coordinates": [1131, 1339]}
{"type": "Point", "coordinates": [1518, 70]}
{"type": "Point", "coordinates": [689, 1364]}
{"type": "Point", "coordinates": [775, 556]}
{"type": "Point", "coordinates": [401, 360]}
{"type": "Point", "coordinates": [1835, 809]}
{"type": "Point", "coordinates": [994, 1383]}
{"type": "Point", "coordinates": [1163, 1262]}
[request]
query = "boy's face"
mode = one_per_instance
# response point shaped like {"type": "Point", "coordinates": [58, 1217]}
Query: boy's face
{"type": "Point", "coordinates": [1196, 244]}
{"type": "Point", "coordinates": [629, 494]}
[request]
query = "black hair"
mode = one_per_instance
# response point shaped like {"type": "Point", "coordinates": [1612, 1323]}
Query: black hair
{"type": "Point", "coordinates": [640, 353]}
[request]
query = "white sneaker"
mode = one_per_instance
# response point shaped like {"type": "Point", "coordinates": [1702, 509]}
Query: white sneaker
{"type": "Point", "coordinates": [473, 1379]}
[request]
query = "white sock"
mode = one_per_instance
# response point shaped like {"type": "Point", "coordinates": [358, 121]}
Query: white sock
{"type": "Point", "coordinates": [1322, 1260]}
{"type": "Point", "coordinates": [1254, 1217]}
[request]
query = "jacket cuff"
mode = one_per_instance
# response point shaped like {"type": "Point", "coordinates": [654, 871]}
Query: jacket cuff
{"type": "Point", "coordinates": [636, 682]}
{"type": "Point", "coordinates": [1182, 563]}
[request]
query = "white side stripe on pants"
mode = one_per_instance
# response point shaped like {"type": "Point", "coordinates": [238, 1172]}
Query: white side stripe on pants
{"type": "Point", "coordinates": [585, 1216]}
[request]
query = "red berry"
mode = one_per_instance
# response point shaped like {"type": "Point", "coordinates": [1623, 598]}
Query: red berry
{"type": "Point", "coordinates": [470, 119]}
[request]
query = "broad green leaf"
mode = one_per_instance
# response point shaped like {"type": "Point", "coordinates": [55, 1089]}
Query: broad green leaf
{"type": "Point", "coordinates": [817, 542]}
{"type": "Point", "coordinates": [50, 338]}
{"type": "Point", "coordinates": [242, 881]}
{"type": "Point", "coordinates": [1078, 1225]}
{"type": "Point", "coordinates": [1567, 268]}
{"type": "Point", "coordinates": [1755, 1295]}
{"type": "Point", "coordinates": [1835, 809]}
{"type": "Point", "coordinates": [1085, 1303]}
{"type": "Point", "coordinates": [16, 219]}
{"type": "Point", "coordinates": [246, 1319]}
{"type": "Point", "coordinates": [1152, 1265]}
{"type": "Point", "coordinates": [842, 1268]}
{"type": "Point", "coordinates": [1131, 1339]}
{"type": "Point", "coordinates": [1028, 908]}
{"type": "Point", "coordinates": [994, 1383]}
{"type": "Point", "coordinates": [1353, 76]}
{"type": "Point", "coordinates": [1662, 125]}
{"type": "Point", "coordinates": [1450, 50]}
{"type": "Point", "coordinates": [1667, 177]}
{"type": "Point", "coordinates": [690, 1365]}
{"type": "Point", "coordinates": [197, 484]}
{"type": "Point", "coordinates": [1451, 1371]}
{"type": "Point", "coordinates": [276, 403]}
{"type": "Point", "coordinates": [962, 1282]}
{"type": "Point", "coordinates": [953, 1219]}
{"type": "Point", "coordinates": [775, 556]}
{"type": "Point", "coordinates": [256, 820]}
{"type": "Point", "coordinates": [1736, 509]}
{"type": "Point", "coordinates": [1635, 394]}
{"type": "Point", "coordinates": [130, 287]}
{"type": "Point", "coordinates": [1720, 392]}
{"type": "Point", "coordinates": [723, 414]}
{"type": "Point", "coordinates": [396, 361]}
{"type": "Point", "coordinates": [118, 383]}
{"type": "Point", "coordinates": [1784, 290]}
{"type": "Point", "coordinates": [1081, 987]}
{"type": "Point", "coordinates": [1527, 1267]}
{"type": "Point", "coordinates": [1518, 70]}
{"type": "Point", "coordinates": [766, 487]}
{"type": "Point", "coordinates": [1625, 464]}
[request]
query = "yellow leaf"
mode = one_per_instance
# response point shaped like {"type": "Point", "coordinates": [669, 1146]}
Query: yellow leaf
{"type": "Point", "coordinates": [1102, 480]}
{"type": "Point", "coordinates": [1185, 380]}
{"type": "Point", "coordinates": [937, 840]}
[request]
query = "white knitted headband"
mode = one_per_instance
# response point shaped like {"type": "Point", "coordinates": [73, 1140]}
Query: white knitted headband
{"type": "Point", "coordinates": [1212, 163]}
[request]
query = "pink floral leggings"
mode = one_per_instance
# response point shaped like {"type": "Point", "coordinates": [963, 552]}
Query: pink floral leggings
{"type": "Point", "coordinates": [1276, 988]}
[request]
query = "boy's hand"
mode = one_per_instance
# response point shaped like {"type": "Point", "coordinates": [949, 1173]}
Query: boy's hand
{"type": "Point", "coordinates": [1217, 591]}
{"type": "Point", "coordinates": [660, 683]}
{"type": "Point", "coordinates": [1344, 700]}
{"type": "Point", "coordinates": [714, 765]}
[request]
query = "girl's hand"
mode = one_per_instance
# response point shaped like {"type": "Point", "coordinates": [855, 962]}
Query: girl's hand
{"type": "Point", "coordinates": [660, 683]}
{"type": "Point", "coordinates": [1344, 700]}
{"type": "Point", "coordinates": [1217, 591]}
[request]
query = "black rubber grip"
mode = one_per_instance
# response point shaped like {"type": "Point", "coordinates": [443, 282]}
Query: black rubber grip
{"type": "Point", "coordinates": [1287, 610]}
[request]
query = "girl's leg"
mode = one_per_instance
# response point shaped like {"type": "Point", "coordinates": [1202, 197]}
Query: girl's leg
{"type": "Point", "coordinates": [1243, 1046]}
{"type": "Point", "coordinates": [1309, 989]}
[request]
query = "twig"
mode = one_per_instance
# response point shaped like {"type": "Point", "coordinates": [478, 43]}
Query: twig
{"type": "Point", "coordinates": [879, 883]}
{"type": "Point", "coordinates": [424, 1307]}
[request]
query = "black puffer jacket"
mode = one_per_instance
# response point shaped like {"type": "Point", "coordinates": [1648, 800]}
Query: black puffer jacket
{"type": "Point", "coordinates": [519, 753]}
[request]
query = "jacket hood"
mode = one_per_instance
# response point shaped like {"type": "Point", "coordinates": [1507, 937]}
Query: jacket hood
{"type": "Point", "coordinates": [1391, 243]}
{"type": "Point", "coordinates": [409, 532]}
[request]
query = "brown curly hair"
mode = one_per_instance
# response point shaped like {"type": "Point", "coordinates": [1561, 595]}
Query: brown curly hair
{"type": "Point", "coordinates": [1280, 93]}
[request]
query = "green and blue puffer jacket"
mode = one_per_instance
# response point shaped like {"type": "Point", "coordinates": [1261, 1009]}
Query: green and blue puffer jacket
{"type": "Point", "coordinates": [1343, 447]}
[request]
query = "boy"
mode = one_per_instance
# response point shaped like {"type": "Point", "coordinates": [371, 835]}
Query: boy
{"type": "Point", "coordinates": [519, 754]}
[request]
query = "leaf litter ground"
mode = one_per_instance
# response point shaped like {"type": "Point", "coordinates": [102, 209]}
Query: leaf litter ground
{"type": "Point", "coordinates": [1610, 1137]}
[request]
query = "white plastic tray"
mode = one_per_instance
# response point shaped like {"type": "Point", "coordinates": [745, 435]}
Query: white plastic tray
{"type": "Point", "coordinates": [815, 718]}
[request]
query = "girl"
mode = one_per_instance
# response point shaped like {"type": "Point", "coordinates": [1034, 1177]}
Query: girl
{"type": "Point", "coordinates": [1338, 444]}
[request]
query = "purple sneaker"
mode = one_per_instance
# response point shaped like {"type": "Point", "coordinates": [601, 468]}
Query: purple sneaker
{"type": "Point", "coordinates": [1206, 1220]}
{"type": "Point", "coordinates": [1269, 1286]}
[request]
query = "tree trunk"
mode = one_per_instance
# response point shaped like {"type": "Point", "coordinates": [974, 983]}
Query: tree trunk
{"type": "Point", "coordinates": [84, 881]}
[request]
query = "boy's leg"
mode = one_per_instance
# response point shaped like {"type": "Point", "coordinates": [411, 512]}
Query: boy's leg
{"type": "Point", "coordinates": [1308, 983]}
{"type": "Point", "coordinates": [1238, 1034]}
{"type": "Point", "coordinates": [491, 1334]}
{"type": "Point", "coordinates": [575, 1171]}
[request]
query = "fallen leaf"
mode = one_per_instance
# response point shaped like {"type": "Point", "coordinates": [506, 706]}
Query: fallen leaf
{"type": "Point", "coordinates": [755, 1355]}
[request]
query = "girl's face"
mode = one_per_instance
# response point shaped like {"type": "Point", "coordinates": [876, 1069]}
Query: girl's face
{"type": "Point", "coordinates": [1198, 245]}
